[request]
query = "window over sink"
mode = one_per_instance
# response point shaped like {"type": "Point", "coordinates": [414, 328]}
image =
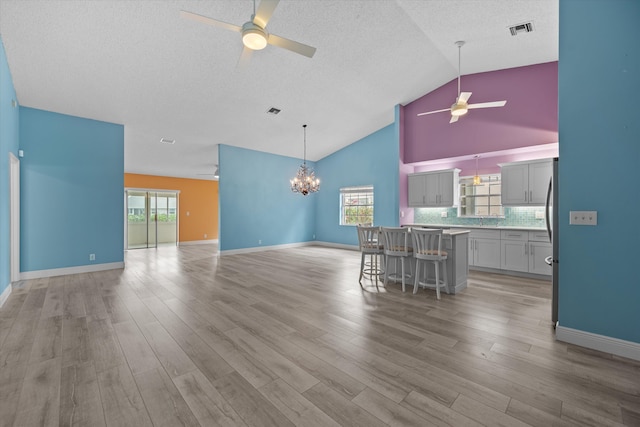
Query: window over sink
{"type": "Point", "coordinates": [480, 200]}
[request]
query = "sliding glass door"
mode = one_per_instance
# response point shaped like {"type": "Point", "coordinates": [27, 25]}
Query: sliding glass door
{"type": "Point", "coordinates": [152, 218]}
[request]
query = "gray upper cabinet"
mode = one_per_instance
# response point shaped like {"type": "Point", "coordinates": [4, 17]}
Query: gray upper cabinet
{"type": "Point", "coordinates": [525, 183]}
{"type": "Point", "coordinates": [433, 189]}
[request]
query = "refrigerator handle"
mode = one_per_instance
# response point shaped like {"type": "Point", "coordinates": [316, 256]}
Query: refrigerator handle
{"type": "Point", "coordinates": [547, 207]}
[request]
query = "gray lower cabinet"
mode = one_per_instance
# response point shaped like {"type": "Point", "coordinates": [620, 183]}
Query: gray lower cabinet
{"type": "Point", "coordinates": [538, 251]}
{"type": "Point", "coordinates": [484, 248]}
{"type": "Point", "coordinates": [514, 247]}
{"type": "Point", "coordinates": [525, 251]}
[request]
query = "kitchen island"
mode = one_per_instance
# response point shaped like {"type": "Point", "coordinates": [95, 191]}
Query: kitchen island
{"type": "Point", "coordinates": [455, 242]}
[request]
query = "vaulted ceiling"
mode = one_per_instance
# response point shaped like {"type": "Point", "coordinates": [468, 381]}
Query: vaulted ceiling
{"type": "Point", "coordinates": [138, 63]}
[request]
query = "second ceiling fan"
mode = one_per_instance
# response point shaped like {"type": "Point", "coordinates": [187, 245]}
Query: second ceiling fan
{"type": "Point", "coordinates": [461, 107]}
{"type": "Point", "coordinates": [254, 33]}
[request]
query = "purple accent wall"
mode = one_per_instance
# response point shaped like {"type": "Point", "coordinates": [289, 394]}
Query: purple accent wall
{"type": "Point", "coordinates": [530, 117]}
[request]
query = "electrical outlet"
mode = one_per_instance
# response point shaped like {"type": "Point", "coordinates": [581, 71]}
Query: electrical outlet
{"type": "Point", "coordinates": [314, 236]}
{"type": "Point", "coordinates": [92, 257]}
{"type": "Point", "coordinates": [583, 217]}
{"type": "Point", "coordinates": [539, 214]}
{"type": "Point", "coordinates": [444, 214]}
{"type": "Point", "coordinates": [259, 242]}
{"type": "Point", "coordinates": [205, 235]}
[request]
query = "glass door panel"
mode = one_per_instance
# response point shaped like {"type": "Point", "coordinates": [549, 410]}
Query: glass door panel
{"type": "Point", "coordinates": [166, 204]}
{"type": "Point", "coordinates": [137, 220]}
{"type": "Point", "coordinates": [151, 218]}
{"type": "Point", "coordinates": [152, 230]}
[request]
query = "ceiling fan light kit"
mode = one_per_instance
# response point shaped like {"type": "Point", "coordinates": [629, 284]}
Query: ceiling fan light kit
{"type": "Point", "coordinates": [461, 107]}
{"type": "Point", "coordinates": [254, 37]}
{"type": "Point", "coordinates": [254, 33]}
{"type": "Point", "coordinates": [458, 110]}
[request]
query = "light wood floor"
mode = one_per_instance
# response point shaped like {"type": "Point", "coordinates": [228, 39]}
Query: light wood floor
{"type": "Point", "coordinates": [280, 338]}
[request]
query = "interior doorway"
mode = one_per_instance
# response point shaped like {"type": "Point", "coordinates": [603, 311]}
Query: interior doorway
{"type": "Point", "coordinates": [151, 218]}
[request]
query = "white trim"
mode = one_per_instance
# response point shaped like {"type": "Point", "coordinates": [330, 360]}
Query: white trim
{"type": "Point", "coordinates": [198, 242]}
{"type": "Point", "coordinates": [264, 248]}
{"type": "Point", "coordinates": [336, 245]}
{"type": "Point", "coordinates": [38, 274]}
{"type": "Point", "coordinates": [628, 349]}
{"type": "Point", "coordinates": [150, 190]}
{"type": "Point", "coordinates": [287, 246]}
{"type": "Point", "coordinates": [14, 217]}
{"type": "Point", "coordinates": [5, 294]}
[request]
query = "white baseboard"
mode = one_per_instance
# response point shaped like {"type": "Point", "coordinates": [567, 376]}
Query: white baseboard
{"type": "Point", "coordinates": [628, 349]}
{"type": "Point", "coordinates": [264, 248]}
{"type": "Point", "coordinates": [5, 294]}
{"type": "Point", "coordinates": [336, 245]}
{"type": "Point", "coordinates": [198, 242]}
{"type": "Point", "coordinates": [288, 245]}
{"type": "Point", "coordinates": [38, 274]}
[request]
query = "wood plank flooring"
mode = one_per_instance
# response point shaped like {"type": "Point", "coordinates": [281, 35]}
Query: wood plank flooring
{"type": "Point", "coordinates": [182, 337]}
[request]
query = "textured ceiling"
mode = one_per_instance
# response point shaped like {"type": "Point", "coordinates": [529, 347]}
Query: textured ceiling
{"type": "Point", "coordinates": [139, 64]}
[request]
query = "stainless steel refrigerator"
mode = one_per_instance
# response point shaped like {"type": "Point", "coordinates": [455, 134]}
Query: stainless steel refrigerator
{"type": "Point", "coordinates": [551, 211]}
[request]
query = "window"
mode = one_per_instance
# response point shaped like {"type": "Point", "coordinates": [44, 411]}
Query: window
{"type": "Point", "coordinates": [481, 199]}
{"type": "Point", "coordinates": [356, 205]}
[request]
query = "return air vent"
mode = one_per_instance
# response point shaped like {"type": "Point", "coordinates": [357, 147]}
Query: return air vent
{"type": "Point", "coordinates": [273, 110]}
{"type": "Point", "coordinates": [526, 27]}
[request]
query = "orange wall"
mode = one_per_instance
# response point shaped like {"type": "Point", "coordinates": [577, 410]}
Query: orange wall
{"type": "Point", "coordinates": [197, 197]}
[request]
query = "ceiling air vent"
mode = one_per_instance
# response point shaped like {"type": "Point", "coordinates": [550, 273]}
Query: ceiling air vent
{"type": "Point", "coordinates": [527, 27]}
{"type": "Point", "coordinates": [273, 110]}
{"type": "Point", "coordinates": [167, 141]}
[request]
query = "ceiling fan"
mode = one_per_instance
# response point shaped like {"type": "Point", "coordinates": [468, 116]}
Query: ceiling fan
{"type": "Point", "coordinates": [254, 33]}
{"type": "Point", "coordinates": [461, 107]}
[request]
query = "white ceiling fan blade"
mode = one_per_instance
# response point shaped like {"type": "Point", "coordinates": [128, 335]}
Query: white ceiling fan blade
{"type": "Point", "coordinates": [264, 12]}
{"type": "Point", "coordinates": [291, 45]}
{"type": "Point", "coordinates": [454, 119]}
{"type": "Point", "coordinates": [487, 104]}
{"type": "Point", "coordinates": [209, 21]}
{"type": "Point", "coordinates": [432, 112]}
{"type": "Point", "coordinates": [464, 97]}
{"type": "Point", "coordinates": [244, 59]}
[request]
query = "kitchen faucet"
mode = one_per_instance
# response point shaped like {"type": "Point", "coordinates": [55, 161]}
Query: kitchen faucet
{"type": "Point", "coordinates": [481, 220]}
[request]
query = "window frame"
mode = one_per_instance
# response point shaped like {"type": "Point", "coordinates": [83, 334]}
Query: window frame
{"type": "Point", "coordinates": [490, 180]}
{"type": "Point", "coordinates": [363, 191]}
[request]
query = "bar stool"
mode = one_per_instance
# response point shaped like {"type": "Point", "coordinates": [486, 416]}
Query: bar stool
{"type": "Point", "coordinates": [397, 247]}
{"type": "Point", "coordinates": [370, 245]}
{"type": "Point", "coordinates": [427, 248]}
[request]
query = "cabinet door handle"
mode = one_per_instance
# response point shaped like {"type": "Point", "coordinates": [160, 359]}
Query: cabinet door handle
{"type": "Point", "coordinates": [532, 249]}
{"type": "Point", "coordinates": [525, 195]}
{"type": "Point", "coordinates": [530, 196]}
{"type": "Point", "coordinates": [526, 249]}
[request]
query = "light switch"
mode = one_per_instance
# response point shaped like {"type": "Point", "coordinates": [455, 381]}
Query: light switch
{"type": "Point", "coordinates": [583, 217]}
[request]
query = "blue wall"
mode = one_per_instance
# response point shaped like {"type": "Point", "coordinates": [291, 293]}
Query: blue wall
{"type": "Point", "coordinates": [256, 202]}
{"type": "Point", "coordinates": [9, 119]}
{"type": "Point", "coordinates": [599, 73]}
{"type": "Point", "coordinates": [72, 181]}
{"type": "Point", "coordinates": [373, 160]}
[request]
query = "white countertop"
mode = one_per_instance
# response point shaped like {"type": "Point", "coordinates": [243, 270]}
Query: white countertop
{"type": "Point", "coordinates": [476, 227]}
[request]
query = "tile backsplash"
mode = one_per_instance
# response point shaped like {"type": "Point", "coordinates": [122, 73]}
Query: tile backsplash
{"type": "Point", "coordinates": [513, 217]}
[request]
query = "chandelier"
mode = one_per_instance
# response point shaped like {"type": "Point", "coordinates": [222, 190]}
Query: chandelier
{"type": "Point", "coordinates": [305, 181]}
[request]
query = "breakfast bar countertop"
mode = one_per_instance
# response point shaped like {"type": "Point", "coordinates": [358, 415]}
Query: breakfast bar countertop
{"type": "Point", "coordinates": [477, 227]}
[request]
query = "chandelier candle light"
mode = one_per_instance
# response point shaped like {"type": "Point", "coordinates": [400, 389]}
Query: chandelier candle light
{"type": "Point", "coordinates": [305, 181]}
